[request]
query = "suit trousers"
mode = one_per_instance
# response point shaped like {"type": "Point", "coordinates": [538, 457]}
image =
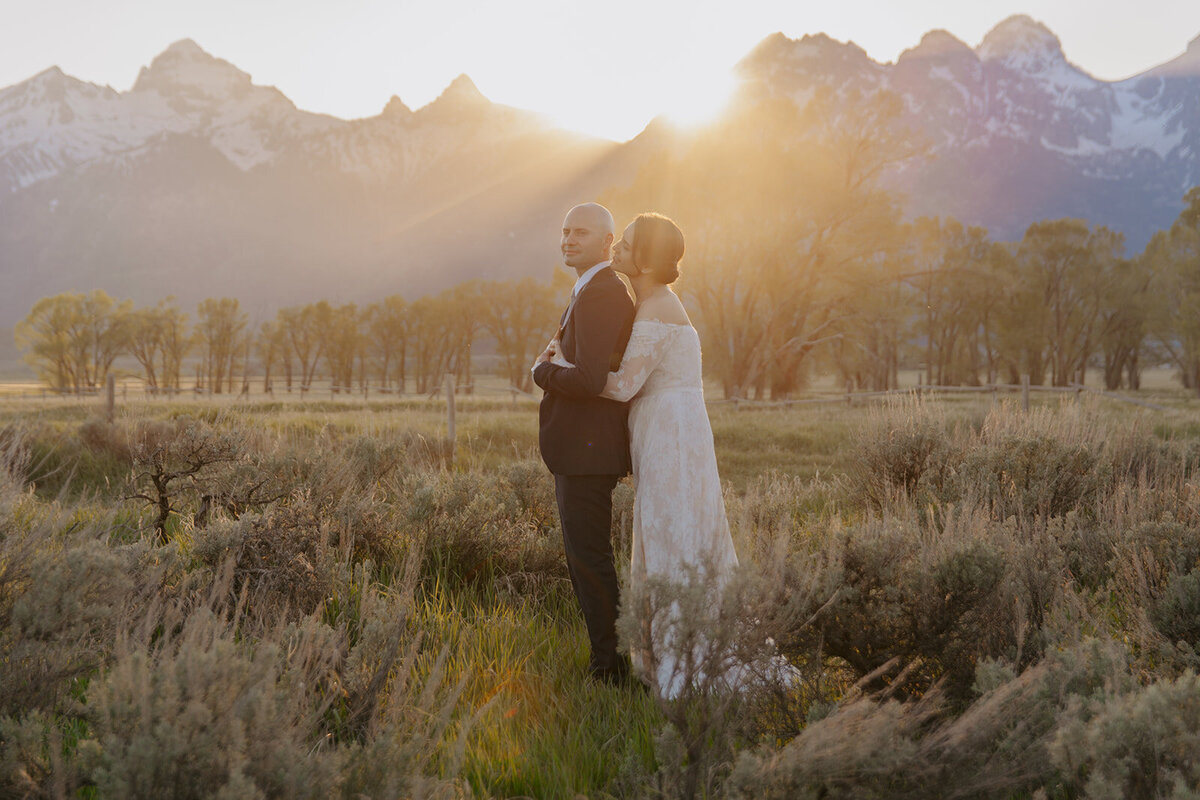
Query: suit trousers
{"type": "Point", "coordinates": [585, 509]}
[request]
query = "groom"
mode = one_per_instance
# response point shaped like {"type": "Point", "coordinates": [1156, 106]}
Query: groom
{"type": "Point", "coordinates": [583, 437]}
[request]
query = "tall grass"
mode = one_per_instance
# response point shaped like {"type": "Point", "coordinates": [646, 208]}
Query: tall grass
{"type": "Point", "coordinates": [935, 600]}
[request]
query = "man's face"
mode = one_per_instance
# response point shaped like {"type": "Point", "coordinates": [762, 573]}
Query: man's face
{"type": "Point", "coordinates": [585, 241]}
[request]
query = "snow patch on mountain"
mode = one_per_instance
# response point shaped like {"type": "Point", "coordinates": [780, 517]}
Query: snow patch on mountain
{"type": "Point", "coordinates": [1136, 123]}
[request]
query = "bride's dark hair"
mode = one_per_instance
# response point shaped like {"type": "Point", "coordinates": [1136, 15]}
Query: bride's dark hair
{"type": "Point", "coordinates": [657, 246]}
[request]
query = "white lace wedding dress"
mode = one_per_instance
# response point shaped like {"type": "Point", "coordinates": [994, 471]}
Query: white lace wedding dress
{"type": "Point", "coordinates": [679, 517]}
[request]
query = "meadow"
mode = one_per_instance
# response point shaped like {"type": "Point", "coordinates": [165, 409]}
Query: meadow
{"type": "Point", "coordinates": [326, 599]}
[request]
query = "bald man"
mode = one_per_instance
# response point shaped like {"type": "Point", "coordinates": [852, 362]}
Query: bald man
{"type": "Point", "coordinates": [584, 438]}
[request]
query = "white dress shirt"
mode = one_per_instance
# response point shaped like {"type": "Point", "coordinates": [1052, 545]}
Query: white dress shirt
{"type": "Point", "coordinates": [579, 284]}
{"type": "Point", "coordinates": [587, 276]}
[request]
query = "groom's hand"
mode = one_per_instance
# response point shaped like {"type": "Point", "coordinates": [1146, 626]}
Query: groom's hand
{"type": "Point", "coordinates": [547, 354]}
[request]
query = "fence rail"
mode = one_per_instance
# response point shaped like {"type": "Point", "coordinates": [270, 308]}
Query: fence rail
{"type": "Point", "coordinates": [848, 398]}
{"type": "Point", "coordinates": [125, 392]}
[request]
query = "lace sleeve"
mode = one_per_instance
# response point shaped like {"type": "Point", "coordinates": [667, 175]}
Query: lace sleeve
{"type": "Point", "coordinates": [647, 345]}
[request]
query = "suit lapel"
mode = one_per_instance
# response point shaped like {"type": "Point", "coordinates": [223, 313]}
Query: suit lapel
{"type": "Point", "coordinates": [566, 316]}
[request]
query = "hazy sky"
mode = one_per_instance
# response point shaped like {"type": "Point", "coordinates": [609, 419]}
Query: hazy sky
{"type": "Point", "coordinates": [605, 68]}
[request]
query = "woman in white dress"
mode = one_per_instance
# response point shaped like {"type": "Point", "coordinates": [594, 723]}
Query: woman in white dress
{"type": "Point", "coordinates": [680, 530]}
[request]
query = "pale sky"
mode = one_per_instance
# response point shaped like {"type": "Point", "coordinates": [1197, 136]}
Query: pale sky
{"type": "Point", "coordinates": [605, 68]}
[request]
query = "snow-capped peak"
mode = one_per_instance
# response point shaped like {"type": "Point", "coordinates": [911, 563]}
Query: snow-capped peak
{"type": "Point", "coordinates": [187, 48]}
{"type": "Point", "coordinates": [1020, 39]}
{"type": "Point", "coordinates": [396, 109]}
{"type": "Point", "coordinates": [185, 67]}
{"type": "Point", "coordinates": [1185, 65]}
{"type": "Point", "coordinates": [461, 91]}
{"type": "Point", "coordinates": [52, 75]}
{"type": "Point", "coordinates": [938, 44]}
{"type": "Point", "coordinates": [50, 86]}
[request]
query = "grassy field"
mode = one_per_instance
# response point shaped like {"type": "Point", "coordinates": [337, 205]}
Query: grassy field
{"type": "Point", "coordinates": [974, 601]}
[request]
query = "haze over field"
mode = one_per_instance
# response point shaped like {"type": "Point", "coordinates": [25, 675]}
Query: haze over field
{"type": "Point", "coordinates": [199, 181]}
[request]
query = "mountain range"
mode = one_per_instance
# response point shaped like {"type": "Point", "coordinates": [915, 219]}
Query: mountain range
{"type": "Point", "coordinates": [197, 182]}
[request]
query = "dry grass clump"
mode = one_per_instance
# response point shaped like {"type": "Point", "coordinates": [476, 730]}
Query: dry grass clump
{"type": "Point", "coordinates": [280, 559]}
{"type": "Point", "coordinates": [905, 450]}
{"type": "Point", "coordinates": [727, 681]}
{"type": "Point", "coordinates": [999, 748]}
{"type": "Point", "coordinates": [982, 606]}
{"type": "Point", "coordinates": [1046, 463]}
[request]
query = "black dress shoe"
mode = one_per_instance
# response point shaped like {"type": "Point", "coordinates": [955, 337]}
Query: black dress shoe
{"type": "Point", "coordinates": [619, 676]}
{"type": "Point", "coordinates": [613, 676]}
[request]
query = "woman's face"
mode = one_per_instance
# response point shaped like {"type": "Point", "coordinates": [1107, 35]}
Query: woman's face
{"type": "Point", "coordinates": [622, 254]}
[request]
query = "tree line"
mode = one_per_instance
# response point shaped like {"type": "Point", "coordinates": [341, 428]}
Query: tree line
{"type": "Point", "coordinates": [932, 293]}
{"type": "Point", "coordinates": [73, 339]}
{"type": "Point", "coordinates": [800, 262]}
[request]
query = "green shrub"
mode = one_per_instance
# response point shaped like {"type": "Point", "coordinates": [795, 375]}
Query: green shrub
{"type": "Point", "coordinates": [475, 530]}
{"type": "Point", "coordinates": [937, 606]}
{"type": "Point", "coordinates": [1141, 745]}
{"type": "Point", "coordinates": [1176, 613]}
{"type": "Point", "coordinates": [60, 608]}
{"type": "Point", "coordinates": [202, 714]}
{"type": "Point", "coordinates": [1034, 475]}
{"type": "Point", "coordinates": [904, 450]}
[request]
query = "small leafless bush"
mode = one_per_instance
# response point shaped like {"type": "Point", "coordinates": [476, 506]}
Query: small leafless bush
{"type": "Point", "coordinates": [778, 504]}
{"type": "Point", "coordinates": [173, 459]}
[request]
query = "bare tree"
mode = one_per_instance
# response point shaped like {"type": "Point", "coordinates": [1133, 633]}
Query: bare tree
{"type": "Point", "coordinates": [305, 328]}
{"type": "Point", "coordinates": [73, 339]}
{"type": "Point", "coordinates": [341, 345]}
{"type": "Point", "coordinates": [1173, 259]}
{"type": "Point", "coordinates": [219, 327]}
{"type": "Point", "coordinates": [519, 315]}
{"type": "Point", "coordinates": [387, 338]}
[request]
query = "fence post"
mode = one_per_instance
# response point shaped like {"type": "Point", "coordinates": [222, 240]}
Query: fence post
{"type": "Point", "coordinates": [450, 411]}
{"type": "Point", "coordinates": [110, 397]}
{"type": "Point", "coordinates": [849, 388]}
{"type": "Point", "coordinates": [1024, 392]}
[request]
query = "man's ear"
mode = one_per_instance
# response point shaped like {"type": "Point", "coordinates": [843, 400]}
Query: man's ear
{"type": "Point", "coordinates": [608, 240]}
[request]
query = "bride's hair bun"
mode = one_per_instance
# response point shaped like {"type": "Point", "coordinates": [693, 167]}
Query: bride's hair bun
{"type": "Point", "coordinates": [657, 246]}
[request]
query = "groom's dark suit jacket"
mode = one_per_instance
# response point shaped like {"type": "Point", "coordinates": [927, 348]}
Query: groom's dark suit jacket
{"type": "Point", "coordinates": [582, 433]}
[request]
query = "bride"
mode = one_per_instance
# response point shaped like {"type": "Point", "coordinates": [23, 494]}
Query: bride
{"type": "Point", "coordinates": [680, 531]}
